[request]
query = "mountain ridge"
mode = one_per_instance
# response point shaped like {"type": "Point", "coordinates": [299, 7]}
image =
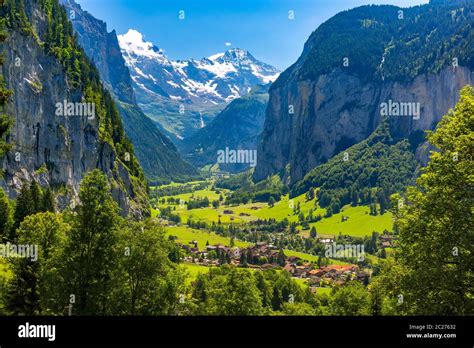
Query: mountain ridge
{"type": "Point", "coordinates": [184, 95]}
{"type": "Point", "coordinates": [306, 124]}
{"type": "Point", "coordinates": [157, 154]}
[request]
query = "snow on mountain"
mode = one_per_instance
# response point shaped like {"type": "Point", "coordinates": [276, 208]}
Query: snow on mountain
{"type": "Point", "coordinates": [214, 80]}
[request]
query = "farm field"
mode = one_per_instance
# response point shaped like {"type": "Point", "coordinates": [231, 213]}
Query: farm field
{"type": "Point", "coordinates": [194, 270]}
{"type": "Point", "coordinates": [359, 224]}
{"type": "Point", "coordinates": [211, 195]}
{"type": "Point", "coordinates": [186, 235]}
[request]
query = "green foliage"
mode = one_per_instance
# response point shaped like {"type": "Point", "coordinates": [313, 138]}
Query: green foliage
{"type": "Point", "coordinates": [5, 216]}
{"type": "Point", "coordinates": [232, 291]}
{"type": "Point", "coordinates": [34, 289]}
{"type": "Point", "coordinates": [31, 200]}
{"type": "Point", "coordinates": [143, 261]}
{"type": "Point", "coordinates": [433, 268]}
{"type": "Point", "coordinates": [107, 264]}
{"type": "Point", "coordinates": [417, 40]}
{"type": "Point", "coordinates": [90, 251]}
{"type": "Point", "coordinates": [24, 205]}
{"type": "Point", "coordinates": [13, 12]}
{"type": "Point", "coordinates": [5, 94]}
{"type": "Point", "coordinates": [352, 299]}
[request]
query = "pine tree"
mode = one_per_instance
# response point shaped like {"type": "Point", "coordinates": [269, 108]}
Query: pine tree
{"type": "Point", "coordinates": [24, 206]}
{"type": "Point", "coordinates": [48, 201]}
{"type": "Point", "coordinates": [36, 197]}
{"type": "Point", "coordinates": [281, 258]}
{"type": "Point", "coordinates": [276, 299]}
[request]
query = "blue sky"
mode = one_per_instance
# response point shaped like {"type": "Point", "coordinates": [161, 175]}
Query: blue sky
{"type": "Point", "coordinates": [260, 26]}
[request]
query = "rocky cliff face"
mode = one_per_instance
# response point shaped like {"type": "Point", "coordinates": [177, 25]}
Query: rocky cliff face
{"type": "Point", "coordinates": [157, 154]}
{"type": "Point", "coordinates": [53, 149]}
{"type": "Point", "coordinates": [315, 110]}
{"type": "Point", "coordinates": [340, 110]}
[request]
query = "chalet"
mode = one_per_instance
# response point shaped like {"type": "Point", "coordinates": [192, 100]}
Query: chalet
{"type": "Point", "coordinates": [228, 211]}
{"type": "Point", "coordinates": [299, 272]}
{"type": "Point", "coordinates": [293, 259]}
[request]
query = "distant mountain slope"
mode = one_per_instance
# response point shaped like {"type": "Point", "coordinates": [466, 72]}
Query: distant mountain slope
{"type": "Point", "coordinates": [201, 88]}
{"type": "Point", "coordinates": [156, 153]}
{"type": "Point", "coordinates": [238, 126]}
{"type": "Point", "coordinates": [353, 64]}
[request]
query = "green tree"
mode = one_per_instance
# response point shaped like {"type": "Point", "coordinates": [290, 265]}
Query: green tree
{"type": "Point", "coordinates": [271, 202]}
{"type": "Point", "coordinates": [36, 287]}
{"type": "Point", "coordinates": [352, 299]}
{"type": "Point", "coordinates": [47, 203]}
{"type": "Point", "coordinates": [281, 258]}
{"type": "Point", "coordinates": [91, 249]}
{"type": "Point", "coordinates": [436, 223]}
{"type": "Point", "coordinates": [299, 309]}
{"type": "Point", "coordinates": [276, 299]}
{"type": "Point", "coordinates": [36, 196]}
{"type": "Point", "coordinates": [24, 207]}
{"type": "Point", "coordinates": [232, 291]}
{"type": "Point", "coordinates": [5, 216]}
{"type": "Point", "coordinates": [143, 266]}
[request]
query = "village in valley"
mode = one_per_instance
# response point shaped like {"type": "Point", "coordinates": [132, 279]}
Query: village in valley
{"type": "Point", "coordinates": [214, 227]}
{"type": "Point", "coordinates": [263, 256]}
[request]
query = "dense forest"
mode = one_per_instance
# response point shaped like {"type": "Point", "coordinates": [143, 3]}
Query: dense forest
{"type": "Point", "coordinates": [386, 42]}
{"type": "Point", "coordinates": [366, 173]}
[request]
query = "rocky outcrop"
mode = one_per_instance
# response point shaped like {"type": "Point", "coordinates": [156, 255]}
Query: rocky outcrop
{"type": "Point", "coordinates": [340, 110]}
{"type": "Point", "coordinates": [48, 147]}
{"type": "Point", "coordinates": [316, 111]}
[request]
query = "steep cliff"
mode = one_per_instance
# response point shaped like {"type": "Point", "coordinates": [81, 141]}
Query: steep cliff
{"type": "Point", "coordinates": [156, 153]}
{"type": "Point", "coordinates": [353, 64]}
{"type": "Point", "coordinates": [45, 67]}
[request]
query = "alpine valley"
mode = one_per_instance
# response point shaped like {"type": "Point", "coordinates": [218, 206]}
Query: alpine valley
{"type": "Point", "coordinates": [222, 186]}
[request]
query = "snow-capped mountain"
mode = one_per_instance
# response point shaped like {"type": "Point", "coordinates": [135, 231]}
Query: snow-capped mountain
{"type": "Point", "coordinates": [200, 87]}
